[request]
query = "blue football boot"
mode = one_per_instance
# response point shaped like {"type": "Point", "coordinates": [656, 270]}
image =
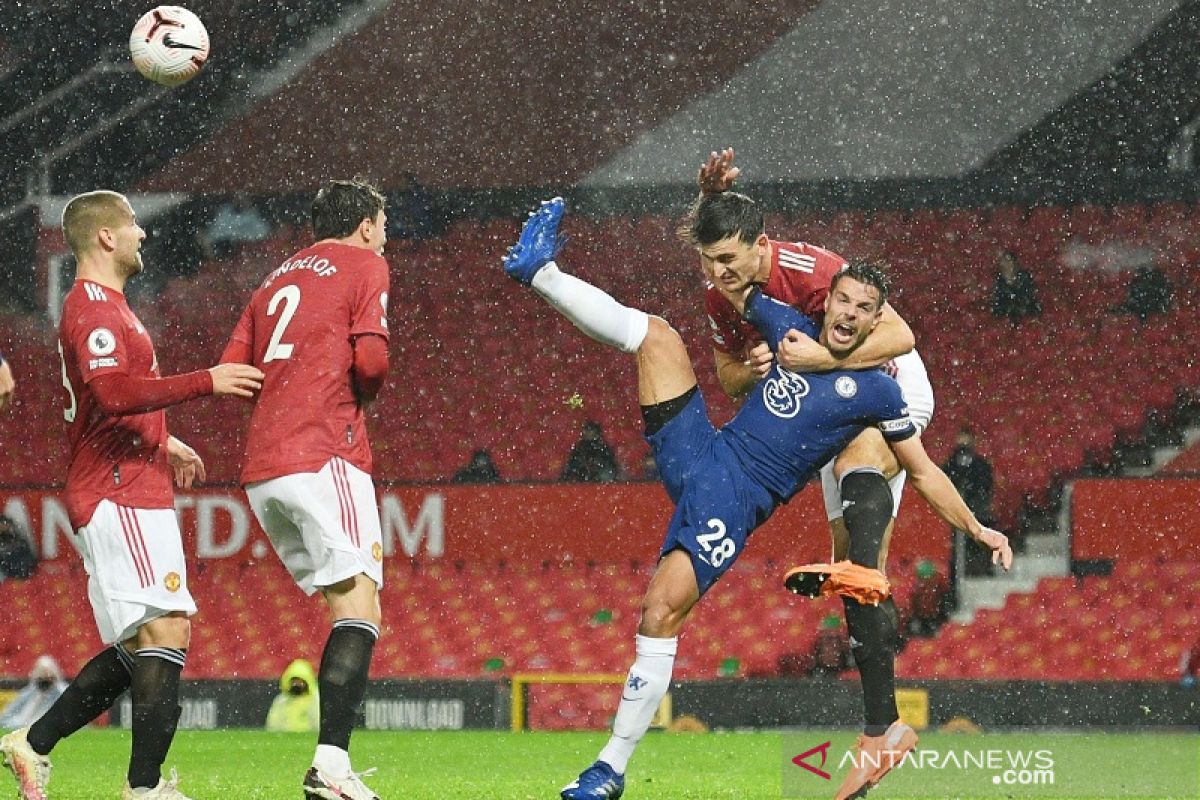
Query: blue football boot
{"type": "Point", "coordinates": [539, 242]}
{"type": "Point", "coordinates": [598, 782]}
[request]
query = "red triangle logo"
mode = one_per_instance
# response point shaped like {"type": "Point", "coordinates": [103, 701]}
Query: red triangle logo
{"type": "Point", "coordinates": [823, 749]}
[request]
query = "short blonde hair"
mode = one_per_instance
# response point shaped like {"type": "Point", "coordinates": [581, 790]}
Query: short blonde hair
{"type": "Point", "coordinates": [89, 212]}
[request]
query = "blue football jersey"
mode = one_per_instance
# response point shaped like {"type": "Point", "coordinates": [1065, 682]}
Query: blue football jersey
{"type": "Point", "coordinates": [792, 423]}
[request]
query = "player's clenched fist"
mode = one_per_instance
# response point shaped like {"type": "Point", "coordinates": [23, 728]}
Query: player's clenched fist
{"type": "Point", "coordinates": [759, 359]}
{"type": "Point", "coordinates": [997, 542]}
{"type": "Point", "coordinates": [239, 380]}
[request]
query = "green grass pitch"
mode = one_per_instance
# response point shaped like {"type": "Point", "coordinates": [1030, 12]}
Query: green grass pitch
{"type": "Point", "coordinates": [451, 765]}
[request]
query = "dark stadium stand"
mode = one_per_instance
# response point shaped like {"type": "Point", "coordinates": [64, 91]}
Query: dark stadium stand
{"type": "Point", "coordinates": [612, 75]}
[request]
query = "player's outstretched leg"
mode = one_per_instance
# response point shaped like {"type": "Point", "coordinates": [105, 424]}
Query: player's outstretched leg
{"type": "Point", "coordinates": [342, 682]}
{"type": "Point", "coordinates": [531, 262]}
{"type": "Point", "coordinates": [97, 686]}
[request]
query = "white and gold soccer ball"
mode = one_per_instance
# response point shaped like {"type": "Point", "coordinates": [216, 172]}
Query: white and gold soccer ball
{"type": "Point", "coordinates": [169, 45]}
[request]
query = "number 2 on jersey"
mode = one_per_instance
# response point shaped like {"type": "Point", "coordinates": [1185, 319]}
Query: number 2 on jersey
{"type": "Point", "coordinates": [277, 349]}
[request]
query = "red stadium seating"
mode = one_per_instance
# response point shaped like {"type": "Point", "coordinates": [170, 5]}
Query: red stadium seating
{"type": "Point", "coordinates": [1044, 398]}
{"type": "Point", "coordinates": [473, 620]}
{"type": "Point", "coordinates": [1097, 629]}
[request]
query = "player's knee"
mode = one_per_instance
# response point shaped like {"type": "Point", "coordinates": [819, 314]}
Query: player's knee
{"type": "Point", "coordinates": [661, 337]}
{"type": "Point", "coordinates": [661, 618]}
{"type": "Point", "coordinates": [173, 630]}
{"type": "Point", "coordinates": [868, 450]}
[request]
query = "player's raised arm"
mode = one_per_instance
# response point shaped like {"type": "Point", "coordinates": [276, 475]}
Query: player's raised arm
{"type": "Point", "coordinates": [717, 174]}
{"type": "Point", "coordinates": [939, 492]}
{"type": "Point", "coordinates": [891, 338]}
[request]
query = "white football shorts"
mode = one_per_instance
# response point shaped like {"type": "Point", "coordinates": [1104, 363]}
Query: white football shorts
{"type": "Point", "coordinates": [324, 525]}
{"type": "Point", "coordinates": [918, 393]}
{"type": "Point", "coordinates": [136, 572]}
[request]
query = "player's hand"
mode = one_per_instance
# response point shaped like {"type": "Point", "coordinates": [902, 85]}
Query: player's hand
{"type": "Point", "coordinates": [800, 353]}
{"type": "Point", "coordinates": [186, 463]}
{"type": "Point", "coordinates": [718, 173]}
{"type": "Point", "coordinates": [7, 385]}
{"type": "Point", "coordinates": [759, 360]}
{"type": "Point", "coordinates": [238, 380]}
{"type": "Point", "coordinates": [997, 542]}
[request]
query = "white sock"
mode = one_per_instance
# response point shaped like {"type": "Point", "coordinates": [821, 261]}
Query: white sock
{"type": "Point", "coordinates": [651, 675]}
{"type": "Point", "coordinates": [593, 310]}
{"type": "Point", "coordinates": [332, 760]}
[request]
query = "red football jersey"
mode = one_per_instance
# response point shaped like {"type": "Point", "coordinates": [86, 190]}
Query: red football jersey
{"type": "Point", "coordinates": [119, 458]}
{"type": "Point", "coordinates": [800, 276]}
{"type": "Point", "coordinates": [300, 326]}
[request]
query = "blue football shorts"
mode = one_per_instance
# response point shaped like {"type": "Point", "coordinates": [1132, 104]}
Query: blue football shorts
{"type": "Point", "coordinates": [717, 505]}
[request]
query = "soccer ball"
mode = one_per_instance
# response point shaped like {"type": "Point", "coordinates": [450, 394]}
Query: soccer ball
{"type": "Point", "coordinates": [169, 45]}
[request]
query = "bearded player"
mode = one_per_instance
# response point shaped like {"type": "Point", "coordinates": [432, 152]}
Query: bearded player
{"type": "Point", "coordinates": [862, 487]}
{"type": "Point", "coordinates": [121, 504]}
{"type": "Point", "coordinates": [317, 327]}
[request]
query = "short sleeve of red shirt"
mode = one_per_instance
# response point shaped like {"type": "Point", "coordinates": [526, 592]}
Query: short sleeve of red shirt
{"type": "Point", "coordinates": [98, 339]}
{"type": "Point", "coordinates": [724, 322]}
{"type": "Point", "coordinates": [243, 333]}
{"type": "Point", "coordinates": [801, 274]}
{"type": "Point", "coordinates": [369, 314]}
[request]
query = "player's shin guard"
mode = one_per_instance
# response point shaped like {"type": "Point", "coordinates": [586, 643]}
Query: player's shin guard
{"type": "Point", "coordinates": [343, 678]}
{"type": "Point", "coordinates": [647, 683]}
{"type": "Point", "coordinates": [867, 511]}
{"type": "Point", "coordinates": [873, 643]}
{"type": "Point", "coordinates": [592, 310]}
{"type": "Point", "coordinates": [97, 686]}
{"type": "Point", "coordinates": [156, 710]}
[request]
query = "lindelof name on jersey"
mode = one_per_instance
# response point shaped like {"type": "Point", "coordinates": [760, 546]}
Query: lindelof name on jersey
{"type": "Point", "coordinates": [783, 392]}
{"type": "Point", "coordinates": [319, 265]}
{"type": "Point", "coordinates": [797, 261]}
